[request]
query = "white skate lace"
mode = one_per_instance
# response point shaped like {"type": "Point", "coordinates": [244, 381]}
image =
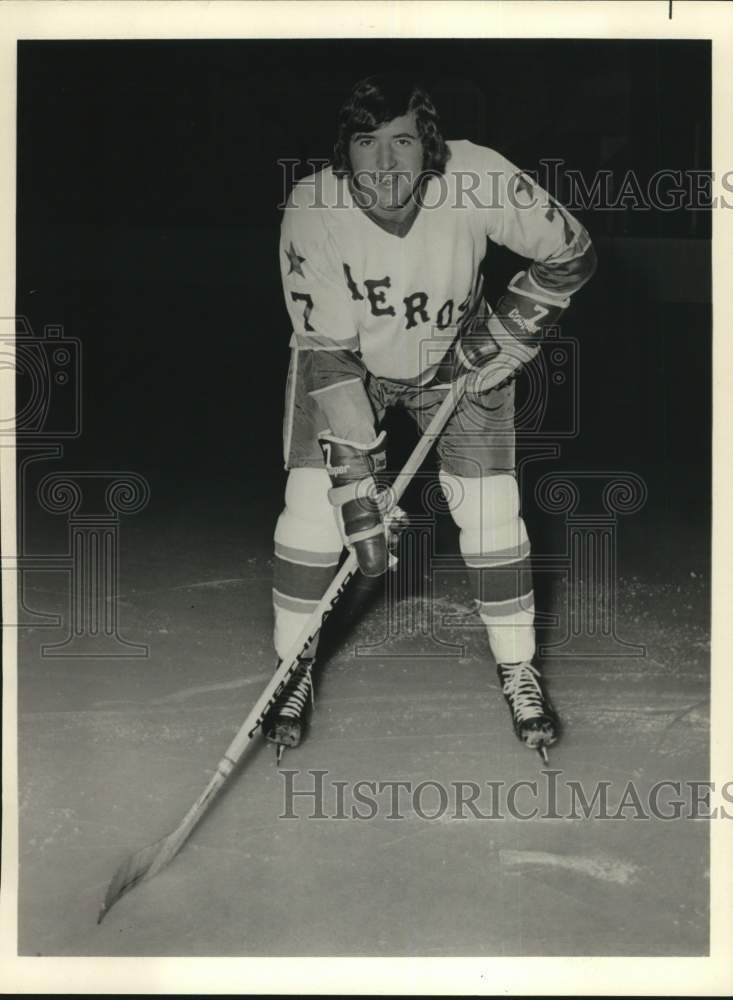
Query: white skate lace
{"type": "Point", "coordinates": [521, 685]}
{"type": "Point", "coordinates": [296, 694]}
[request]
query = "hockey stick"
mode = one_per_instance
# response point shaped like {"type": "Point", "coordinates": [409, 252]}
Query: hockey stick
{"type": "Point", "coordinates": [148, 861]}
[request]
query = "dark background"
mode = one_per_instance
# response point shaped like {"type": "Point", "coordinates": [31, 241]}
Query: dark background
{"type": "Point", "coordinates": [147, 224]}
{"type": "Point", "coordinates": [148, 194]}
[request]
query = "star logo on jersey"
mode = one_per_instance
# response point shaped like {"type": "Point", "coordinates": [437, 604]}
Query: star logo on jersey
{"type": "Point", "coordinates": [295, 260]}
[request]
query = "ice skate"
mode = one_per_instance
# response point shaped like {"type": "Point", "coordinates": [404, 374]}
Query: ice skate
{"type": "Point", "coordinates": [533, 717]}
{"type": "Point", "coordinates": [284, 724]}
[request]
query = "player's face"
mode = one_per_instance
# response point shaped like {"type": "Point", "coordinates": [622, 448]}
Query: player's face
{"type": "Point", "coordinates": [386, 164]}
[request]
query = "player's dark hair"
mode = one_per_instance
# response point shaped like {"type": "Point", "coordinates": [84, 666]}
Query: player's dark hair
{"type": "Point", "coordinates": [375, 101]}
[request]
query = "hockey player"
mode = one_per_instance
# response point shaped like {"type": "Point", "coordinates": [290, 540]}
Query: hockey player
{"type": "Point", "coordinates": [380, 256]}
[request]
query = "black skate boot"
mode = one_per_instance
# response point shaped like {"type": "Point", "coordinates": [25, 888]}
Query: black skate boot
{"type": "Point", "coordinates": [534, 719]}
{"type": "Point", "coordinates": [284, 723]}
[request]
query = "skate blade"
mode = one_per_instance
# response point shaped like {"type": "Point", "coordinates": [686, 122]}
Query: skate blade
{"type": "Point", "coordinates": [542, 751]}
{"type": "Point", "coordinates": [282, 735]}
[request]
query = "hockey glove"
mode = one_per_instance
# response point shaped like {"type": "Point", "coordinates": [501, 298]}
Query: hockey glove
{"type": "Point", "coordinates": [514, 329]}
{"type": "Point", "coordinates": [352, 468]}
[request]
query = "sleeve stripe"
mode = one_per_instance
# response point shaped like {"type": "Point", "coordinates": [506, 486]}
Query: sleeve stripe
{"type": "Point", "coordinates": [565, 257]}
{"type": "Point", "coordinates": [308, 341]}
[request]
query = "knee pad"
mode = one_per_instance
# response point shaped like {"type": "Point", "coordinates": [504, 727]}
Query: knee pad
{"type": "Point", "coordinates": [486, 510]}
{"type": "Point", "coordinates": [308, 521]}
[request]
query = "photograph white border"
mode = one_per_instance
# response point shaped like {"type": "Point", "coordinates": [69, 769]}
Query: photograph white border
{"type": "Point", "coordinates": [48, 19]}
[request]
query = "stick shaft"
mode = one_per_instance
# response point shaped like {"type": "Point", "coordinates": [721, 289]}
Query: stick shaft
{"type": "Point", "coordinates": [339, 582]}
{"type": "Point", "coordinates": [453, 397]}
{"type": "Point", "coordinates": [324, 607]}
{"type": "Point", "coordinates": [312, 627]}
{"type": "Point", "coordinates": [249, 727]}
{"type": "Point", "coordinates": [149, 861]}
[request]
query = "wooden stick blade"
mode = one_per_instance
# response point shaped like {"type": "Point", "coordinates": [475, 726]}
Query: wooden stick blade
{"type": "Point", "coordinates": [139, 866]}
{"type": "Point", "coordinates": [150, 860]}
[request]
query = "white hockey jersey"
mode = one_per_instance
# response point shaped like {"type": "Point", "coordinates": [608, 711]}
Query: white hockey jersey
{"type": "Point", "coordinates": [400, 301]}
